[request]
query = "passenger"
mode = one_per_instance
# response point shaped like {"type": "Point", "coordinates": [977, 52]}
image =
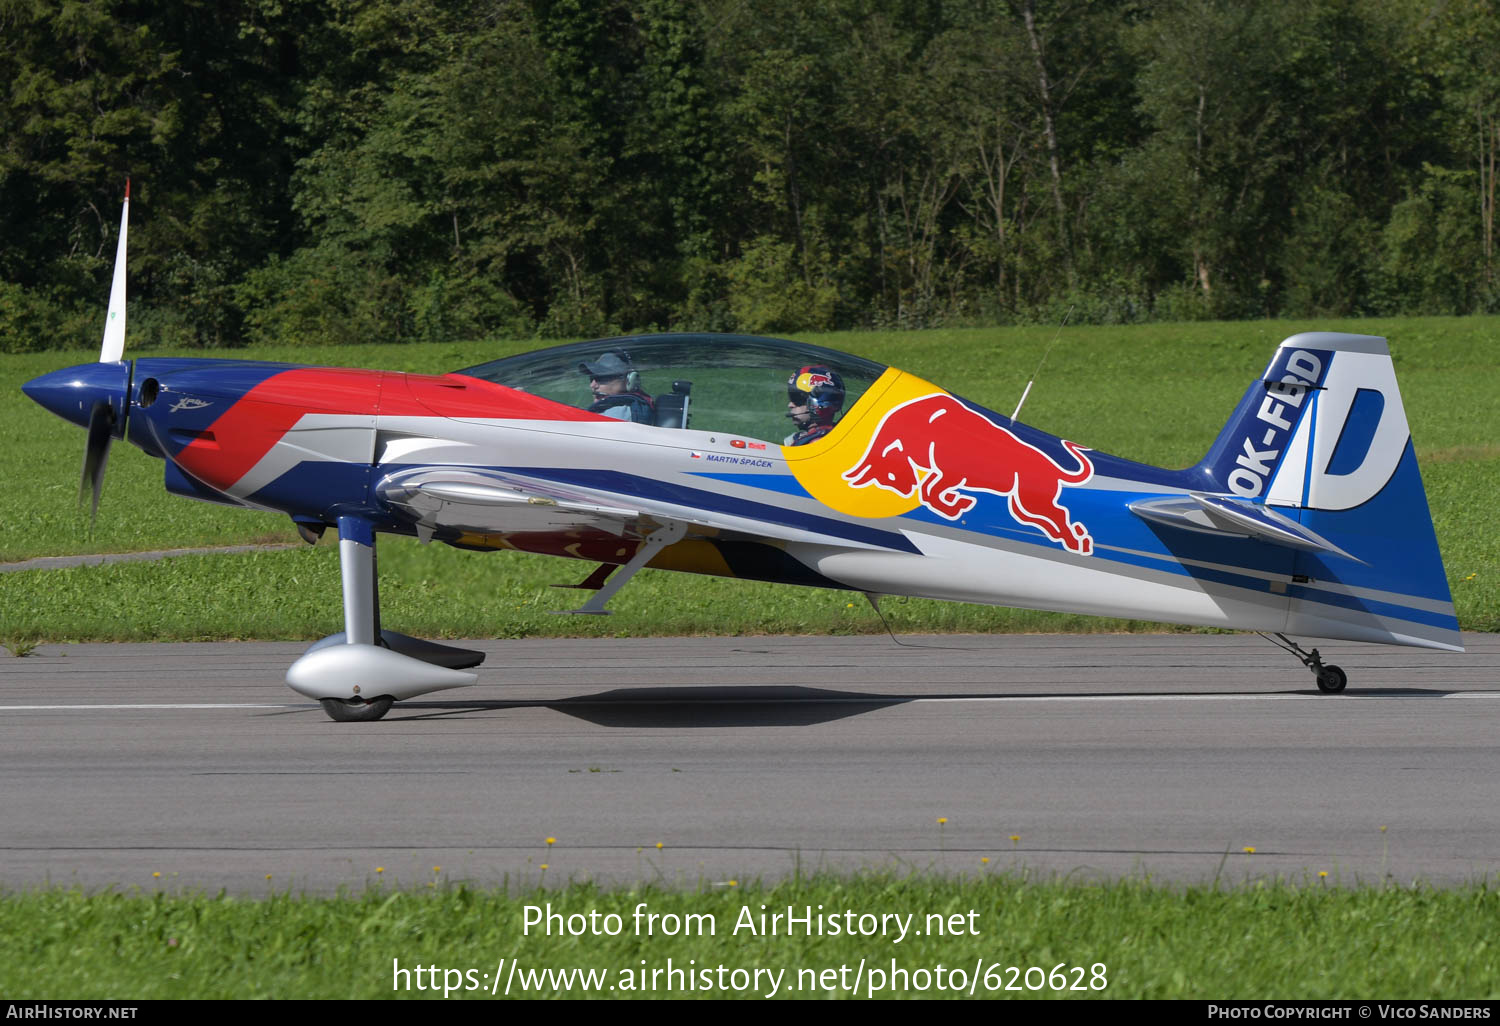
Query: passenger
{"type": "Point", "coordinates": [814, 399]}
{"type": "Point", "coordinates": [617, 388]}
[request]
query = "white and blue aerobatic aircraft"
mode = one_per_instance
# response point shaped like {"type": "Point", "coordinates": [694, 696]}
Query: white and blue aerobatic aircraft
{"type": "Point", "coordinates": [1307, 516]}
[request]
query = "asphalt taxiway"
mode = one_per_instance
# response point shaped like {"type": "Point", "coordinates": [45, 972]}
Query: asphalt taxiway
{"type": "Point", "coordinates": [1183, 758]}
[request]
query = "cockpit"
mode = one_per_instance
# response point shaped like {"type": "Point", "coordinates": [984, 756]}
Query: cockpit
{"type": "Point", "coordinates": [737, 384]}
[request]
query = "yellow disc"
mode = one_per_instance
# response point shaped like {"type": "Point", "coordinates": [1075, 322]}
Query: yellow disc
{"type": "Point", "coordinates": [820, 466]}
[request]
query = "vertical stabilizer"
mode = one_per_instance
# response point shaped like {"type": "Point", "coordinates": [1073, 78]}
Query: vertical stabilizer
{"type": "Point", "coordinates": [1323, 439]}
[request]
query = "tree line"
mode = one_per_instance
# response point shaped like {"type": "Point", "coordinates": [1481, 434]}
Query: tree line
{"type": "Point", "coordinates": [342, 171]}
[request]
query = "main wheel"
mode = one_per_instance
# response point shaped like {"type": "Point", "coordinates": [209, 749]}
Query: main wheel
{"type": "Point", "coordinates": [1332, 680]}
{"type": "Point", "coordinates": [356, 710]}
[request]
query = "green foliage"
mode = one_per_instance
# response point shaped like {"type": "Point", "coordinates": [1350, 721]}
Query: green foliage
{"type": "Point", "coordinates": [1431, 250]}
{"type": "Point", "coordinates": [1182, 301]}
{"type": "Point", "coordinates": [768, 293]}
{"type": "Point", "coordinates": [322, 296]}
{"type": "Point", "coordinates": [409, 170]}
{"type": "Point", "coordinates": [1329, 255]}
{"type": "Point", "coordinates": [28, 323]}
{"type": "Point", "coordinates": [191, 99]}
{"type": "Point", "coordinates": [704, 307]}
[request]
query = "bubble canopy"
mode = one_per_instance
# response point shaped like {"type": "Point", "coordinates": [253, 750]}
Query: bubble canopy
{"type": "Point", "coordinates": [736, 384]}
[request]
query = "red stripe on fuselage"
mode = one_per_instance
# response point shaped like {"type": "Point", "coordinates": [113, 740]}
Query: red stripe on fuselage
{"type": "Point", "coordinates": [243, 434]}
{"type": "Point", "coordinates": [461, 397]}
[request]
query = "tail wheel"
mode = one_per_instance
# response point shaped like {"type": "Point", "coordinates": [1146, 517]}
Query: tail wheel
{"type": "Point", "coordinates": [1331, 679]}
{"type": "Point", "coordinates": [356, 710]}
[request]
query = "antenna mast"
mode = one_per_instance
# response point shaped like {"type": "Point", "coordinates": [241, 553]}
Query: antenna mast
{"type": "Point", "coordinates": [1027, 390]}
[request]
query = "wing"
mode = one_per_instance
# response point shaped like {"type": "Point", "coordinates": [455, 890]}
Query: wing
{"type": "Point", "coordinates": [473, 500]}
{"type": "Point", "coordinates": [487, 500]}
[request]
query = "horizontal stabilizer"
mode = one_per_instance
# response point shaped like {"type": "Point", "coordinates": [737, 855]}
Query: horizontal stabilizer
{"type": "Point", "coordinates": [1231, 515]}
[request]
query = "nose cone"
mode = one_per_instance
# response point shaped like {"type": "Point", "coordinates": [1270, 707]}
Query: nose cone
{"type": "Point", "coordinates": [72, 393]}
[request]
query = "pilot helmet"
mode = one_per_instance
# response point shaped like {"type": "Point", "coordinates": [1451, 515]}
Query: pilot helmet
{"type": "Point", "coordinates": [820, 389]}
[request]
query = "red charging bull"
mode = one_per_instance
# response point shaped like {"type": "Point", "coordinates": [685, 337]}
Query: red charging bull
{"type": "Point", "coordinates": [961, 451]}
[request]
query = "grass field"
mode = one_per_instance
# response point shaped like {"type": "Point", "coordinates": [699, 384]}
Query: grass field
{"type": "Point", "coordinates": [1156, 393]}
{"type": "Point", "coordinates": [1124, 940]}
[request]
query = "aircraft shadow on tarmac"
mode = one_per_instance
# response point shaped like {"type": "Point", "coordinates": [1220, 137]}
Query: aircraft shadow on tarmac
{"type": "Point", "coordinates": [636, 708]}
{"type": "Point", "coordinates": [796, 706]}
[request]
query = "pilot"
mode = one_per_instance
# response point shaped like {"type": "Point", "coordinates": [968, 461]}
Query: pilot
{"type": "Point", "coordinates": [814, 399]}
{"type": "Point", "coordinates": [617, 388]}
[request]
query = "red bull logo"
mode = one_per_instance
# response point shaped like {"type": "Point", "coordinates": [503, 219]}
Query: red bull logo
{"type": "Point", "coordinates": [809, 380]}
{"type": "Point", "coordinates": [938, 449]}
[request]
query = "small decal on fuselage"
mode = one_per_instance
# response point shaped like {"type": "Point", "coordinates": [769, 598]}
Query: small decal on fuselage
{"type": "Point", "coordinates": [739, 461]}
{"type": "Point", "coordinates": [189, 403]}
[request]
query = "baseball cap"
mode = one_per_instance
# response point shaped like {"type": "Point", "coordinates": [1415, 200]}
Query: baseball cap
{"type": "Point", "coordinates": [613, 364]}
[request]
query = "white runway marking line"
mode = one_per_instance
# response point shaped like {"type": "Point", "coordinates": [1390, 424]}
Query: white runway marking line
{"type": "Point", "coordinates": [1203, 698]}
{"type": "Point", "coordinates": [180, 705]}
{"type": "Point", "coordinates": [887, 699]}
{"type": "Point", "coordinates": [874, 699]}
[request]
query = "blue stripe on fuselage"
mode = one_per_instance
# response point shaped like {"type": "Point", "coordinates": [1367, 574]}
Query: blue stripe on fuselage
{"type": "Point", "coordinates": [1239, 560]}
{"type": "Point", "coordinates": [621, 483]}
{"type": "Point", "coordinates": [323, 489]}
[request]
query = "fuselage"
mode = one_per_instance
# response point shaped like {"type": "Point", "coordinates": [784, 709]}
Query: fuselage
{"type": "Point", "coordinates": [914, 492]}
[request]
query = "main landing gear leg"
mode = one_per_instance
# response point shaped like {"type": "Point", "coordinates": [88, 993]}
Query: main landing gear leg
{"type": "Point", "coordinates": [1331, 679]}
{"type": "Point", "coordinates": [356, 676]}
{"type": "Point", "coordinates": [360, 576]}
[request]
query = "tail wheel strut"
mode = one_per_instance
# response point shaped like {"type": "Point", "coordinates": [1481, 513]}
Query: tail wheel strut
{"type": "Point", "coordinates": [1331, 679]}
